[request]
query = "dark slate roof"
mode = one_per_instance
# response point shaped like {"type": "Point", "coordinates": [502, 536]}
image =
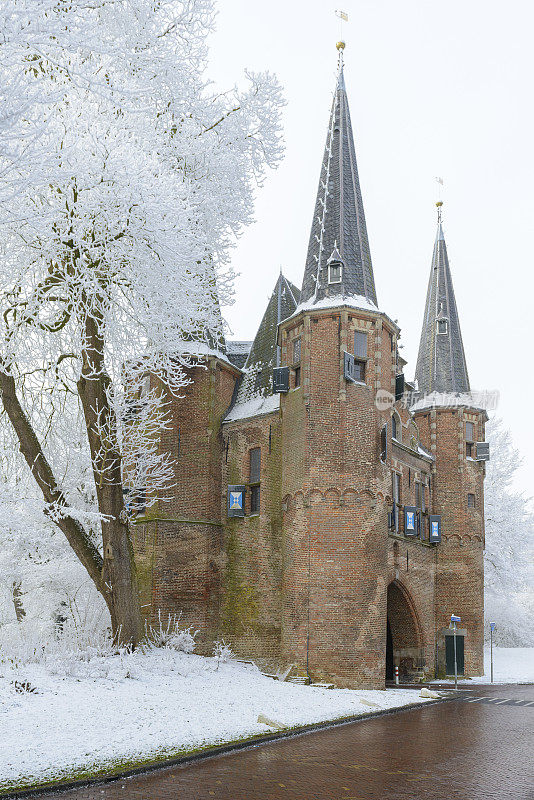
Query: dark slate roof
{"type": "Point", "coordinates": [441, 365]}
{"type": "Point", "coordinates": [338, 218]}
{"type": "Point", "coordinates": [263, 356]}
{"type": "Point", "coordinates": [237, 352]}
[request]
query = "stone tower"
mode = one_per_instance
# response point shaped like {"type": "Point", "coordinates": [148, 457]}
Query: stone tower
{"type": "Point", "coordinates": [450, 425]}
{"type": "Point", "coordinates": [334, 484]}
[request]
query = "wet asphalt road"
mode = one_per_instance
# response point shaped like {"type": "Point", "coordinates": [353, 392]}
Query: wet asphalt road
{"type": "Point", "coordinates": [475, 748]}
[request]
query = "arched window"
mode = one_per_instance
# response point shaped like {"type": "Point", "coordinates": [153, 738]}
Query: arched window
{"type": "Point", "coordinates": [396, 428]}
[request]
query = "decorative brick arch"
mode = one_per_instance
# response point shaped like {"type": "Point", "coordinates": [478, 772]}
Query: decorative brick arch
{"type": "Point", "coordinates": [405, 640]}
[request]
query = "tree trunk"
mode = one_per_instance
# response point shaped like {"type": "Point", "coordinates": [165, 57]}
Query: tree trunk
{"type": "Point", "coordinates": [17, 601]}
{"type": "Point", "coordinates": [31, 449]}
{"type": "Point", "coordinates": [114, 576]}
{"type": "Point", "coordinates": [118, 572]}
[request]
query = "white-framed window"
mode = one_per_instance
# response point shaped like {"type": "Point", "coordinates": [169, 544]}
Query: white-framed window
{"type": "Point", "coordinates": [334, 272]}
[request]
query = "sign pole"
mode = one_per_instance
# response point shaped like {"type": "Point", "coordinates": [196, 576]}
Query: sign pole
{"type": "Point", "coordinates": [491, 650]}
{"type": "Point", "coordinates": [455, 664]}
{"type": "Point", "coordinates": [492, 628]}
{"type": "Point", "coordinates": [454, 620]}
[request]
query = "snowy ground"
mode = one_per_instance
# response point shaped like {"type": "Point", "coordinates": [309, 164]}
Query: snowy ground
{"type": "Point", "coordinates": [510, 665]}
{"type": "Point", "coordinates": [114, 709]}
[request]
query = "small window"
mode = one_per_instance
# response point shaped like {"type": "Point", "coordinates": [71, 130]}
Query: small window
{"type": "Point", "coordinates": [255, 499]}
{"type": "Point", "coordinates": [442, 326]}
{"type": "Point", "coordinates": [418, 495]}
{"type": "Point", "coordinates": [396, 428]}
{"type": "Point", "coordinates": [396, 487]}
{"type": "Point", "coordinates": [469, 432]}
{"type": "Point", "coordinates": [396, 497]}
{"type": "Point", "coordinates": [360, 344]}
{"type": "Point", "coordinates": [334, 272]}
{"type": "Point", "coordinates": [470, 501]}
{"type": "Point", "coordinates": [423, 497]}
{"type": "Point", "coordinates": [297, 377]}
{"type": "Point", "coordinates": [255, 464]}
{"type": "Point", "coordinates": [359, 371]}
{"type": "Point", "coordinates": [296, 351]}
{"type": "Point", "coordinates": [255, 472]}
{"type": "Point", "coordinates": [469, 449]}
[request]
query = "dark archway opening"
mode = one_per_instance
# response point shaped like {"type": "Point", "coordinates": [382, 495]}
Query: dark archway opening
{"type": "Point", "coordinates": [389, 654]}
{"type": "Point", "coordinates": [403, 637]}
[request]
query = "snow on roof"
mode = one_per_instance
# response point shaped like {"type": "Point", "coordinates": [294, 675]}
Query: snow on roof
{"type": "Point", "coordinates": [478, 400]}
{"type": "Point", "coordinates": [192, 349]}
{"type": "Point", "coordinates": [233, 346]}
{"type": "Point", "coordinates": [423, 452]}
{"type": "Point", "coordinates": [254, 407]}
{"type": "Point", "coordinates": [352, 300]}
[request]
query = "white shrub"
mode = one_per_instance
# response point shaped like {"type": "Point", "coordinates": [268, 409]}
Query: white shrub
{"type": "Point", "coordinates": [170, 635]}
{"type": "Point", "coordinates": [222, 652]}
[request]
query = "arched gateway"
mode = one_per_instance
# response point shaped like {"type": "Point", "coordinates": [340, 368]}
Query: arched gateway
{"type": "Point", "coordinates": [404, 641]}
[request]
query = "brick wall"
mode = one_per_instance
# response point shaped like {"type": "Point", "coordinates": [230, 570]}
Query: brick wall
{"type": "Point", "coordinates": [251, 584]}
{"type": "Point", "coordinates": [178, 544]}
{"type": "Point", "coordinates": [460, 567]}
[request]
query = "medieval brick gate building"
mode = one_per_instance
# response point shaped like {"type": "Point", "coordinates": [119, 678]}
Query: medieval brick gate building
{"type": "Point", "coordinates": [326, 513]}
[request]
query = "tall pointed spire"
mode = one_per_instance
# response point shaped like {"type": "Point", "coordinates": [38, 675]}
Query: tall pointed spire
{"type": "Point", "coordinates": [441, 365]}
{"type": "Point", "coordinates": [339, 219]}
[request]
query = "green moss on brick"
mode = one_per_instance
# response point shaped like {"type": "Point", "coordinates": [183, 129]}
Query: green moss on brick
{"type": "Point", "coordinates": [240, 606]}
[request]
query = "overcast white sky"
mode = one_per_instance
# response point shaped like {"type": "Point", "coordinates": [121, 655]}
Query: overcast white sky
{"type": "Point", "coordinates": [434, 89]}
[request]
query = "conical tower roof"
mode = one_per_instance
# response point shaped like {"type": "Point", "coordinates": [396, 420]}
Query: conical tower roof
{"type": "Point", "coordinates": [441, 365]}
{"type": "Point", "coordinates": [339, 219]}
{"type": "Point", "coordinates": [264, 356]}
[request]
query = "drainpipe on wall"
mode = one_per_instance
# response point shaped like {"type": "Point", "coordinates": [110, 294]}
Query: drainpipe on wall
{"type": "Point", "coordinates": [308, 621]}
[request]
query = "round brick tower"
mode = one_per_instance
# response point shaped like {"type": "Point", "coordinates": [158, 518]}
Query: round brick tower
{"type": "Point", "coordinates": [450, 424]}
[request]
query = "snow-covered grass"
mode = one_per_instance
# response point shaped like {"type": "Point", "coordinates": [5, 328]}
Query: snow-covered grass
{"type": "Point", "coordinates": [510, 665]}
{"type": "Point", "coordinates": [110, 710]}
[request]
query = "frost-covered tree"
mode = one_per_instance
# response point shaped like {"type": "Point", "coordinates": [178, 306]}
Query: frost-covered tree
{"type": "Point", "coordinates": [509, 554]}
{"type": "Point", "coordinates": [45, 592]}
{"type": "Point", "coordinates": [124, 179]}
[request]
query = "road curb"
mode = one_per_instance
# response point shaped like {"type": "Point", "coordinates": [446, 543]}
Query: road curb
{"type": "Point", "coordinates": [215, 750]}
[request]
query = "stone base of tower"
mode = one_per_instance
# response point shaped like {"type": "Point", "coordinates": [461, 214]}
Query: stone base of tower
{"type": "Point", "coordinates": [343, 665]}
{"type": "Point", "coordinates": [335, 586]}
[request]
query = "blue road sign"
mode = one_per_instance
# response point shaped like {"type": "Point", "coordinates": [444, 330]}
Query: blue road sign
{"type": "Point", "coordinates": [492, 626]}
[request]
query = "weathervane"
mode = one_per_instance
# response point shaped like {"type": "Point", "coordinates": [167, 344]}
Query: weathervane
{"type": "Point", "coordinates": [343, 17]}
{"type": "Point", "coordinates": [439, 203]}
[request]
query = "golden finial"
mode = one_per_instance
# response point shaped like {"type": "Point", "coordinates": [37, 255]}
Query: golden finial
{"type": "Point", "coordinates": [439, 203]}
{"type": "Point", "coordinates": [340, 45]}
